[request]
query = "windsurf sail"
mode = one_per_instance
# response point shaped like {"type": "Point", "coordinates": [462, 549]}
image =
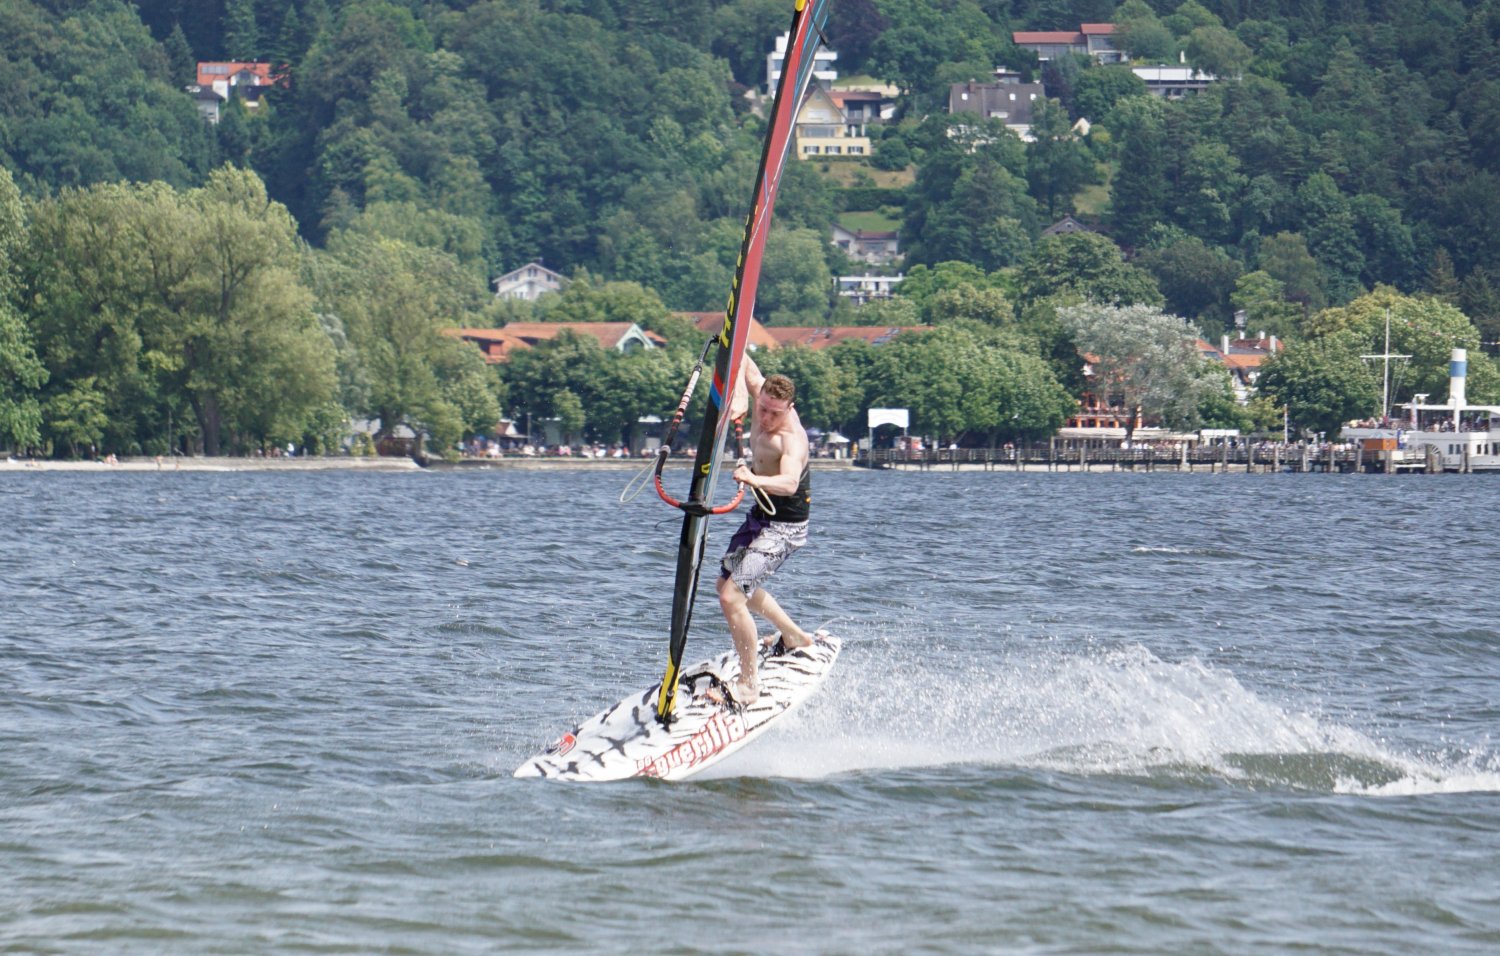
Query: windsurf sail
{"type": "Point", "coordinates": [808, 18]}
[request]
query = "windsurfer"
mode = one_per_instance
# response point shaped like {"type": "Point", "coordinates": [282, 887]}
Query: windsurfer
{"type": "Point", "coordinates": [779, 470]}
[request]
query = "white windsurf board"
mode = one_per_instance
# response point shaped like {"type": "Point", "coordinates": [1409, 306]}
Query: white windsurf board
{"type": "Point", "coordinates": [627, 740]}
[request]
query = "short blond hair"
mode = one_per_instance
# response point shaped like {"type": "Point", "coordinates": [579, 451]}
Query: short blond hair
{"type": "Point", "coordinates": [779, 386]}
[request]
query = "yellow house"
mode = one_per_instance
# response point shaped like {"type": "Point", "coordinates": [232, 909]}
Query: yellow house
{"type": "Point", "coordinates": [824, 129]}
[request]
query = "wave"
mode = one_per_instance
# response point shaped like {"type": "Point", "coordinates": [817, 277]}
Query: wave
{"type": "Point", "coordinates": [1120, 711]}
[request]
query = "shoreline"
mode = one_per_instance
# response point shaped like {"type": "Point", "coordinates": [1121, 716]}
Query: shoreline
{"type": "Point", "coordinates": [348, 463]}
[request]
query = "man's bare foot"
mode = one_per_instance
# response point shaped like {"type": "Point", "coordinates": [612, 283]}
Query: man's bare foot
{"type": "Point", "coordinates": [781, 643]}
{"type": "Point", "coordinates": [740, 693]}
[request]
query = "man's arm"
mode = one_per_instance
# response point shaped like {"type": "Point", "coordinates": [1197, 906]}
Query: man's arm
{"type": "Point", "coordinates": [752, 376]}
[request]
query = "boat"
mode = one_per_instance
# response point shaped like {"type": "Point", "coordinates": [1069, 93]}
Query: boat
{"type": "Point", "coordinates": [1452, 436]}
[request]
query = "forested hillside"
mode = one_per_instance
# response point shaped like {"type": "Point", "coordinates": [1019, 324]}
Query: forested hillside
{"type": "Point", "coordinates": [1345, 146]}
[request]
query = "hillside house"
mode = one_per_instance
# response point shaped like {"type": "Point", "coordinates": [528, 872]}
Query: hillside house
{"type": "Point", "coordinates": [867, 288]}
{"type": "Point", "coordinates": [1090, 39]}
{"type": "Point", "coordinates": [1243, 358]}
{"type": "Point", "coordinates": [217, 81]}
{"type": "Point", "coordinates": [823, 69]}
{"type": "Point", "coordinates": [1173, 82]}
{"type": "Point", "coordinates": [529, 283]}
{"type": "Point", "coordinates": [499, 344]}
{"type": "Point", "coordinates": [823, 129]}
{"type": "Point", "coordinates": [866, 245]}
{"type": "Point", "coordinates": [1007, 99]}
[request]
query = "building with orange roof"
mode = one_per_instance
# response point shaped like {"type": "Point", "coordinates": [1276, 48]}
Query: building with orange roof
{"type": "Point", "coordinates": [218, 80]}
{"type": "Point", "coordinates": [821, 337]}
{"type": "Point", "coordinates": [499, 344]}
{"type": "Point", "coordinates": [710, 323]}
{"type": "Point", "coordinates": [1090, 39]}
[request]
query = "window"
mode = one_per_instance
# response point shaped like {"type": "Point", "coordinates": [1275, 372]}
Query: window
{"type": "Point", "coordinates": [856, 150]}
{"type": "Point", "coordinates": [216, 69]}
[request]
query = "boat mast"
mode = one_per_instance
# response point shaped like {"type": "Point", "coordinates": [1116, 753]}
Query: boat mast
{"type": "Point", "coordinates": [1385, 378]}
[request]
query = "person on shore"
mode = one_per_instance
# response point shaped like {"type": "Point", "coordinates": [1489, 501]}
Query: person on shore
{"type": "Point", "coordinates": [780, 480]}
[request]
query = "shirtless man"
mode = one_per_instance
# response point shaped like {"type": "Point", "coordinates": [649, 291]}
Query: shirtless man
{"type": "Point", "coordinates": [766, 539]}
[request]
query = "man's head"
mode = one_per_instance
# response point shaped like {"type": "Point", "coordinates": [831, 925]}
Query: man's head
{"type": "Point", "coordinates": [777, 395]}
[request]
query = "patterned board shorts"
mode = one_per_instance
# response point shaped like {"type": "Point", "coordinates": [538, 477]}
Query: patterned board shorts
{"type": "Point", "coordinates": [759, 548]}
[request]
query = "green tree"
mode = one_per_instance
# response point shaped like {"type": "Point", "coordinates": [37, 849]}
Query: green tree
{"type": "Point", "coordinates": [76, 417]}
{"type": "Point", "coordinates": [395, 301]}
{"type": "Point", "coordinates": [1216, 51]}
{"type": "Point", "coordinates": [1321, 382]}
{"type": "Point", "coordinates": [1058, 163]}
{"type": "Point", "coordinates": [1284, 257]}
{"type": "Point", "coordinates": [957, 383]}
{"type": "Point", "coordinates": [1138, 194]}
{"type": "Point", "coordinates": [1148, 358]}
{"type": "Point", "coordinates": [241, 34]}
{"type": "Point", "coordinates": [1085, 264]}
{"type": "Point", "coordinates": [1196, 280]}
{"type": "Point", "coordinates": [1426, 329]}
{"type": "Point", "coordinates": [1142, 35]}
{"type": "Point", "coordinates": [1100, 88]}
{"type": "Point", "coordinates": [1263, 300]}
{"type": "Point", "coordinates": [21, 372]}
{"type": "Point", "coordinates": [795, 282]}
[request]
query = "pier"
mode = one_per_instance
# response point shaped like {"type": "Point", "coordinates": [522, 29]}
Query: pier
{"type": "Point", "coordinates": [1212, 459]}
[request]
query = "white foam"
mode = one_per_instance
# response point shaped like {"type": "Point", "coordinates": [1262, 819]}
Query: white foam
{"type": "Point", "coordinates": [1114, 711]}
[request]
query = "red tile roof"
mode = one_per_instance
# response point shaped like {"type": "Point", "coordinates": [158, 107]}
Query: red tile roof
{"type": "Point", "coordinates": [711, 322]}
{"type": "Point", "coordinates": [821, 337]}
{"type": "Point", "coordinates": [498, 344]}
{"type": "Point", "coordinates": [212, 70]}
{"type": "Point", "coordinates": [1047, 36]}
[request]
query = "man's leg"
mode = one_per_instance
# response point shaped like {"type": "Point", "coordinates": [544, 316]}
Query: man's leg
{"type": "Point", "coordinates": [763, 604]}
{"type": "Point", "coordinates": [742, 630]}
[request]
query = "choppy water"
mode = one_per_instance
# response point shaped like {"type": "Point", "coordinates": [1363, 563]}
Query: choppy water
{"type": "Point", "coordinates": [1075, 714]}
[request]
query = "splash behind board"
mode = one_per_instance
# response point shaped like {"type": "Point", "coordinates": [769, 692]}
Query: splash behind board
{"type": "Point", "coordinates": [627, 740]}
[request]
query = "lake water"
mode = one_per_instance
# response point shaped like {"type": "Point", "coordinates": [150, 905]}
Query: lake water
{"type": "Point", "coordinates": [278, 713]}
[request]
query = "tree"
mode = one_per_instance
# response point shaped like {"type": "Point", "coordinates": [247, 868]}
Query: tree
{"type": "Point", "coordinates": [956, 383]}
{"type": "Point", "coordinates": [1426, 329]}
{"type": "Point", "coordinates": [1321, 382]}
{"type": "Point", "coordinates": [1084, 264]}
{"type": "Point", "coordinates": [1100, 88]}
{"type": "Point", "coordinates": [1284, 257]}
{"type": "Point", "coordinates": [1196, 280]}
{"type": "Point", "coordinates": [795, 282]}
{"type": "Point", "coordinates": [165, 299]}
{"type": "Point", "coordinates": [241, 34]}
{"type": "Point", "coordinates": [1263, 300]}
{"type": "Point", "coordinates": [395, 300]}
{"type": "Point", "coordinates": [1148, 358]}
{"type": "Point", "coordinates": [1138, 195]}
{"type": "Point", "coordinates": [1142, 35]}
{"type": "Point", "coordinates": [1214, 50]}
{"type": "Point", "coordinates": [1058, 163]}
{"type": "Point", "coordinates": [21, 373]}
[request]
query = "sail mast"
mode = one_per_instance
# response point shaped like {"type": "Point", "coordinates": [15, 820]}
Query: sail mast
{"type": "Point", "coordinates": [796, 74]}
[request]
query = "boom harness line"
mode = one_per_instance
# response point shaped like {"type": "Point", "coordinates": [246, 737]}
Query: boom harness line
{"type": "Point", "coordinates": [636, 484]}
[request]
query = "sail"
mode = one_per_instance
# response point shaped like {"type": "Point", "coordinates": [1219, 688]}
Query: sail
{"type": "Point", "coordinates": [796, 74]}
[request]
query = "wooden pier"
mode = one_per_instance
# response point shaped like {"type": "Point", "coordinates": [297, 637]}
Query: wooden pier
{"type": "Point", "coordinates": [1248, 459]}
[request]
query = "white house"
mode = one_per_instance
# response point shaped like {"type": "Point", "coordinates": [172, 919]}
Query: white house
{"type": "Point", "coordinates": [529, 282]}
{"type": "Point", "coordinates": [822, 64]}
{"type": "Point", "coordinates": [868, 288]}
